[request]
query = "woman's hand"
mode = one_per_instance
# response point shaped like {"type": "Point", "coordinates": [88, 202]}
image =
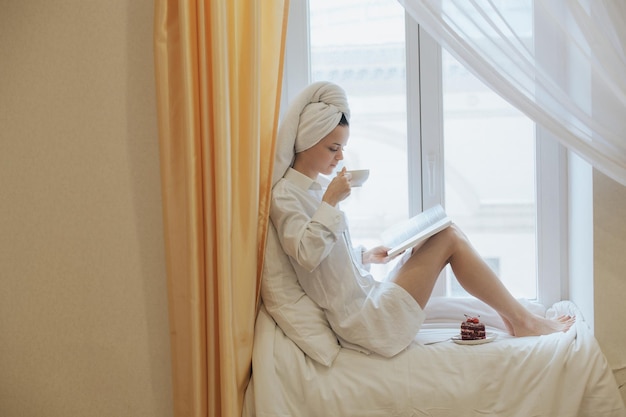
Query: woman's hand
{"type": "Point", "coordinates": [377, 255]}
{"type": "Point", "coordinates": [338, 189]}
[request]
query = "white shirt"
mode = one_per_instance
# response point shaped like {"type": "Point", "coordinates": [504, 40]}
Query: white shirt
{"type": "Point", "coordinates": [375, 316]}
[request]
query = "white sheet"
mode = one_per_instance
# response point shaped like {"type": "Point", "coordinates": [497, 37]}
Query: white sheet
{"type": "Point", "coordinates": [562, 374]}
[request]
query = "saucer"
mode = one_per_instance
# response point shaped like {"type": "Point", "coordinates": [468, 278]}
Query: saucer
{"type": "Point", "coordinates": [490, 338]}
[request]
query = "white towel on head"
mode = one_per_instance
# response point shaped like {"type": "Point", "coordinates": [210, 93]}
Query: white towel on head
{"type": "Point", "coordinates": [312, 115]}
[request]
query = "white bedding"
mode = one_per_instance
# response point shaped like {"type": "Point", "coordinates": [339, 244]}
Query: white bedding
{"type": "Point", "coordinates": [562, 374]}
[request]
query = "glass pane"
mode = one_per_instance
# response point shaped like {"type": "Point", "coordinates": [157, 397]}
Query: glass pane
{"type": "Point", "coordinates": [490, 174]}
{"type": "Point", "coordinates": [360, 46]}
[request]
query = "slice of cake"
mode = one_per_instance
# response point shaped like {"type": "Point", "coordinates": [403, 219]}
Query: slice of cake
{"type": "Point", "coordinates": [472, 329]}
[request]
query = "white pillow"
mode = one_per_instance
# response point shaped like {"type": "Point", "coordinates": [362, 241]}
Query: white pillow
{"type": "Point", "coordinates": [453, 309]}
{"type": "Point", "coordinates": [299, 317]}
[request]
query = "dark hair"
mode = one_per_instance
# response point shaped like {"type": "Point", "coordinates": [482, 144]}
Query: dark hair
{"type": "Point", "coordinates": [344, 120]}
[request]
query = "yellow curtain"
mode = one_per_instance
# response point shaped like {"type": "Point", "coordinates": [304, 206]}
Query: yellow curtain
{"type": "Point", "coordinates": [218, 75]}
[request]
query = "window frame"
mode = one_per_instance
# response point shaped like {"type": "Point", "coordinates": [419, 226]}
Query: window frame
{"type": "Point", "coordinates": [425, 138]}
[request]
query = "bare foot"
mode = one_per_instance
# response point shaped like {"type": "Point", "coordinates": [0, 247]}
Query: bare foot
{"type": "Point", "coordinates": [537, 325]}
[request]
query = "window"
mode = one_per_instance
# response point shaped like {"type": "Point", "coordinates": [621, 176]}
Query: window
{"type": "Point", "coordinates": [430, 132]}
{"type": "Point", "coordinates": [490, 176]}
{"type": "Point", "coordinates": [361, 46]}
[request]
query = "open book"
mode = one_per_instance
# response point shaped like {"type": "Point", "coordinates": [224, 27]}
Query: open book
{"type": "Point", "coordinates": [415, 230]}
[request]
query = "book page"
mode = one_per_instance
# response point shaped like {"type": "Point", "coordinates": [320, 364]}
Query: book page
{"type": "Point", "coordinates": [404, 231]}
{"type": "Point", "coordinates": [418, 239]}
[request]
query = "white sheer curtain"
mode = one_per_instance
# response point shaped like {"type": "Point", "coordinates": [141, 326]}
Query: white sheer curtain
{"type": "Point", "coordinates": [571, 79]}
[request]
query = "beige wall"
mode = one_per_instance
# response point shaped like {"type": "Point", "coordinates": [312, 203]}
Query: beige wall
{"type": "Point", "coordinates": [609, 213]}
{"type": "Point", "coordinates": [83, 302]}
{"type": "Point", "coordinates": [83, 316]}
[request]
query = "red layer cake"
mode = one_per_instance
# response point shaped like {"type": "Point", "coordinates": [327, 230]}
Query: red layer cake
{"type": "Point", "coordinates": [472, 329]}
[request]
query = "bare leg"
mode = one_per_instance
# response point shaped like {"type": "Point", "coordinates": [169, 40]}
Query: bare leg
{"type": "Point", "coordinates": [419, 274]}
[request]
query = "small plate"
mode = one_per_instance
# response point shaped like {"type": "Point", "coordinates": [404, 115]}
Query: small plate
{"type": "Point", "coordinates": [490, 338]}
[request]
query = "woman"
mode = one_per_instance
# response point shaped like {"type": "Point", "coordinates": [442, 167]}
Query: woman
{"type": "Point", "coordinates": [366, 314]}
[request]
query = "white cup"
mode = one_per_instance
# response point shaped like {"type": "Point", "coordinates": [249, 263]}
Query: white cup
{"type": "Point", "coordinates": [359, 176]}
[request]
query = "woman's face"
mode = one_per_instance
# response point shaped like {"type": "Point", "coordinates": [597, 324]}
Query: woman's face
{"type": "Point", "coordinates": [325, 155]}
